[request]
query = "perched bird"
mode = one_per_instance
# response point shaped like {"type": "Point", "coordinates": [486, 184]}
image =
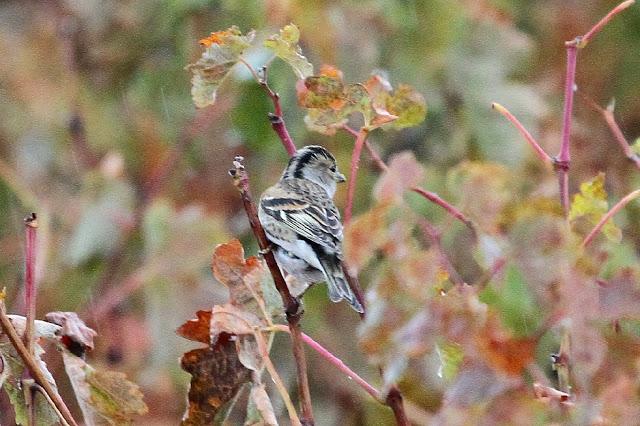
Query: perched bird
{"type": "Point", "coordinates": [301, 220]}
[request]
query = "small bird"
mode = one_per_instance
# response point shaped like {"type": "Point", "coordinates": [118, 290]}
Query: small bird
{"type": "Point", "coordinates": [301, 220]}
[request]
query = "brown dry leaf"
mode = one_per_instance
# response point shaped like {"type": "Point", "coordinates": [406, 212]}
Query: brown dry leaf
{"type": "Point", "coordinates": [75, 334]}
{"type": "Point", "coordinates": [197, 329]}
{"type": "Point", "coordinates": [238, 274]}
{"type": "Point", "coordinates": [477, 384]}
{"type": "Point", "coordinates": [404, 172]}
{"type": "Point", "coordinates": [217, 376]}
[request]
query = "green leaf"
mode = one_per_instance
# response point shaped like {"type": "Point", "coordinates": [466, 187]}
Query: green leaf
{"type": "Point", "coordinates": [635, 147]}
{"type": "Point", "coordinates": [223, 50]}
{"type": "Point", "coordinates": [590, 205]}
{"type": "Point", "coordinates": [514, 302]}
{"type": "Point", "coordinates": [285, 46]}
{"type": "Point", "coordinates": [451, 356]}
{"type": "Point", "coordinates": [408, 105]}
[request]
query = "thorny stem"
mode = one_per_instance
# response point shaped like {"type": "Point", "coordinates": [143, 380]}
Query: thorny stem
{"type": "Point", "coordinates": [607, 114]}
{"type": "Point", "coordinates": [355, 165]}
{"type": "Point", "coordinates": [430, 196]}
{"type": "Point", "coordinates": [546, 158]}
{"type": "Point", "coordinates": [32, 366]}
{"type": "Point", "coordinates": [615, 209]}
{"type": "Point", "coordinates": [291, 304]}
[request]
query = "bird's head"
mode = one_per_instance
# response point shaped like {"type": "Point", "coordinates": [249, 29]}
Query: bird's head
{"type": "Point", "coordinates": [316, 164]}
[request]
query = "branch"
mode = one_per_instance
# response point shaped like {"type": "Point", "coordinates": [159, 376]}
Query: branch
{"type": "Point", "coordinates": [291, 304]}
{"type": "Point", "coordinates": [615, 209]}
{"type": "Point", "coordinates": [31, 225]}
{"type": "Point", "coordinates": [393, 398]}
{"type": "Point", "coordinates": [276, 119]}
{"type": "Point", "coordinates": [32, 366]}
{"type": "Point", "coordinates": [564, 157]}
{"type": "Point", "coordinates": [546, 158]}
{"type": "Point", "coordinates": [607, 114]}
{"type": "Point", "coordinates": [361, 138]}
{"type": "Point", "coordinates": [337, 362]}
{"type": "Point", "coordinates": [431, 196]}
{"type": "Point", "coordinates": [604, 21]}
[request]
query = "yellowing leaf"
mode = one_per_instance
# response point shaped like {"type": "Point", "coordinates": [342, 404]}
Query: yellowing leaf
{"type": "Point", "coordinates": [285, 46]}
{"type": "Point", "coordinates": [590, 205]}
{"type": "Point", "coordinates": [407, 105]}
{"type": "Point", "coordinates": [223, 50]}
{"type": "Point", "coordinates": [113, 396]}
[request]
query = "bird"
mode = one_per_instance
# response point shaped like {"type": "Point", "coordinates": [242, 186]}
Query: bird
{"type": "Point", "coordinates": [303, 224]}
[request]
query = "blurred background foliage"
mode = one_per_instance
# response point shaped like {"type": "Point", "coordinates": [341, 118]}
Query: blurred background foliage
{"type": "Point", "coordinates": [99, 136]}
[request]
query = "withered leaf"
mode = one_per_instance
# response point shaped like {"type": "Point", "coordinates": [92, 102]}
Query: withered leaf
{"type": "Point", "coordinates": [217, 376]}
{"type": "Point", "coordinates": [231, 319]}
{"type": "Point", "coordinates": [197, 329]}
{"type": "Point", "coordinates": [620, 296]}
{"type": "Point", "coordinates": [75, 334]}
{"type": "Point", "coordinates": [404, 172]}
{"type": "Point", "coordinates": [262, 402]}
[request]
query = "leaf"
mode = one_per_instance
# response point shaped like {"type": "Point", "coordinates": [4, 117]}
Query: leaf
{"type": "Point", "coordinates": [620, 296]}
{"type": "Point", "coordinates": [217, 376]}
{"type": "Point", "coordinates": [451, 356]}
{"type": "Point", "coordinates": [231, 319]}
{"type": "Point", "coordinates": [223, 50]}
{"type": "Point", "coordinates": [75, 334]}
{"type": "Point", "coordinates": [590, 205]}
{"type": "Point", "coordinates": [514, 302]}
{"type": "Point", "coordinates": [12, 375]}
{"type": "Point", "coordinates": [242, 277]}
{"type": "Point", "coordinates": [476, 384]}
{"type": "Point", "coordinates": [104, 397]}
{"type": "Point", "coordinates": [364, 235]}
{"type": "Point", "coordinates": [407, 105]}
{"type": "Point", "coordinates": [262, 402]}
{"type": "Point", "coordinates": [248, 352]}
{"type": "Point", "coordinates": [197, 329]}
{"type": "Point", "coordinates": [285, 46]}
{"type": "Point", "coordinates": [635, 146]}
{"type": "Point", "coordinates": [403, 173]}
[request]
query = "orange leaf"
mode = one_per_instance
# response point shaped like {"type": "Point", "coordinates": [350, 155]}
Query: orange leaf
{"type": "Point", "coordinates": [197, 329]}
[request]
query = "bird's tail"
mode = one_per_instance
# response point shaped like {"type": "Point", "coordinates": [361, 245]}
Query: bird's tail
{"type": "Point", "coordinates": [338, 286]}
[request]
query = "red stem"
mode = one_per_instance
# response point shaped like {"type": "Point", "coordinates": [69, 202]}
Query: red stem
{"type": "Point", "coordinates": [564, 158]}
{"type": "Point", "coordinates": [31, 225]}
{"type": "Point", "coordinates": [546, 158]}
{"type": "Point", "coordinates": [337, 362]}
{"type": "Point", "coordinates": [615, 209]}
{"type": "Point", "coordinates": [355, 165]}
{"type": "Point", "coordinates": [604, 21]}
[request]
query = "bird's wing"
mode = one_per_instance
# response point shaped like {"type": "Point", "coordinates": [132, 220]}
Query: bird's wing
{"type": "Point", "coordinates": [312, 216]}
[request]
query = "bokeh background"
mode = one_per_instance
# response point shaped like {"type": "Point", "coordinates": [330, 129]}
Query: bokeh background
{"type": "Point", "coordinates": [99, 136]}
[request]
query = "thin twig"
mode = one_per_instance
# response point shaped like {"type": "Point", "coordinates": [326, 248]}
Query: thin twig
{"type": "Point", "coordinates": [564, 157]}
{"type": "Point", "coordinates": [337, 362]}
{"type": "Point", "coordinates": [33, 367]}
{"type": "Point", "coordinates": [264, 352]}
{"type": "Point", "coordinates": [276, 119]}
{"type": "Point", "coordinates": [615, 209]}
{"type": "Point", "coordinates": [355, 165]}
{"type": "Point", "coordinates": [31, 226]}
{"type": "Point", "coordinates": [604, 21]}
{"type": "Point", "coordinates": [291, 304]}
{"type": "Point", "coordinates": [434, 236]}
{"type": "Point", "coordinates": [546, 158]}
{"type": "Point", "coordinates": [609, 118]}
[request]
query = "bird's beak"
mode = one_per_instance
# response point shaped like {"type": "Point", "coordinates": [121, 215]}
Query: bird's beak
{"type": "Point", "coordinates": [340, 177]}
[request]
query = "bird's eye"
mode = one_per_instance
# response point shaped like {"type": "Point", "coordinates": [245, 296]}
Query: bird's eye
{"type": "Point", "coordinates": [332, 168]}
